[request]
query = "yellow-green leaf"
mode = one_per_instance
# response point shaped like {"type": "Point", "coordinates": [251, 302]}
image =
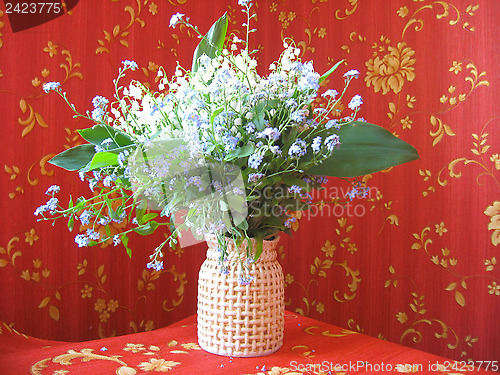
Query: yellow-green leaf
{"type": "Point", "coordinates": [459, 297]}
{"type": "Point", "coordinates": [452, 286]}
{"type": "Point", "coordinates": [44, 302]}
{"type": "Point", "coordinates": [54, 312]}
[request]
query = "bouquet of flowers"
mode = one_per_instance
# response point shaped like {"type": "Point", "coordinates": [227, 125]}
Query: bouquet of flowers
{"type": "Point", "coordinates": [217, 149]}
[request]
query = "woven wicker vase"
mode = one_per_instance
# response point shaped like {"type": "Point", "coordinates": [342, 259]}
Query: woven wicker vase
{"type": "Point", "coordinates": [241, 320]}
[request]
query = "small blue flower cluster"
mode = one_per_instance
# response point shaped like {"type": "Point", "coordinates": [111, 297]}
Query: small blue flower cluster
{"type": "Point", "coordinates": [99, 103]}
{"type": "Point", "coordinates": [51, 205]}
{"type": "Point", "coordinates": [51, 86]}
{"type": "Point", "coordinates": [298, 148]}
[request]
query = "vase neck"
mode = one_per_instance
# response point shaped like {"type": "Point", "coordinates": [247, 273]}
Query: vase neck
{"type": "Point", "coordinates": [234, 253]}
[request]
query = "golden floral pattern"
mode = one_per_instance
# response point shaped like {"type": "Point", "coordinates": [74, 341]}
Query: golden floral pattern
{"type": "Point", "coordinates": [494, 212]}
{"type": "Point", "coordinates": [391, 71]}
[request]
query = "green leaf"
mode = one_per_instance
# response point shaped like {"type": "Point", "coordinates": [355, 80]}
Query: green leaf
{"type": "Point", "coordinates": [330, 71]}
{"type": "Point", "coordinates": [74, 158]}
{"type": "Point", "coordinates": [259, 239]}
{"type": "Point", "coordinates": [292, 180]}
{"type": "Point", "coordinates": [147, 228]}
{"type": "Point", "coordinates": [241, 152]}
{"type": "Point", "coordinates": [99, 133]}
{"type": "Point", "coordinates": [215, 114]}
{"type": "Point", "coordinates": [243, 225]}
{"type": "Point", "coordinates": [212, 42]}
{"type": "Point", "coordinates": [71, 223]}
{"type": "Point", "coordinates": [149, 216]}
{"type": "Point", "coordinates": [103, 159]}
{"type": "Point", "coordinates": [365, 148]}
{"type": "Point", "coordinates": [125, 243]}
{"type": "Point", "coordinates": [80, 203]}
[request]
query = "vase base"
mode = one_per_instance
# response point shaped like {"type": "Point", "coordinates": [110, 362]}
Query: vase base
{"type": "Point", "coordinates": [229, 352]}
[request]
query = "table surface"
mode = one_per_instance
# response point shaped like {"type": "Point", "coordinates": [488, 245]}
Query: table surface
{"type": "Point", "coordinates": [309, 347]}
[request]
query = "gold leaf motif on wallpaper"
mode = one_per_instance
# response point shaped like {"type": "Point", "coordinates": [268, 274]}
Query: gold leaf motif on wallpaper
{"type": "Point", "coordinates": [417, 305]}
{"type": "Point", "coordinates": [44, 302]}
{"type": "Point", "coordinates": [33, 118]}
{"type": "Point", "coordinates": [321, 266]}
{"type": "Point", "coordinates": [100, 270]}
{"type": "Point", "coordinates": [181, 277]}
{"type": "Point", "coordinates": [119, 33]}
{"type": "Point", "coordinates": [490, 264]}
{"type": "Point", "coordinates": [2, 25]}
{"type": "Point", "coordinates": [480, 149]}
{"type": "Point", "coordinates": [11, 257]}
{"type": "Point", "coordinates": [54, 313]}
{"type": "Point", "coordinates": [452, 97]}
{"type": "Point", "coordinates": [347, 12]}
{"type": "Point", "coordinates": [459, 298]}
{"type": "Point", "coordinates": [82, 267]}
{"type": "Point", "coordinates": [353, 286]}
{"type": "Point", "coordinates": [354, 326]}
{"type": "Point", "coordinates": [418, 23]}
{"type": "Point", "coordinates": [14, 171]}
{"type": "Point", "coordinates": [70, 67]}
{"type": "Point", "coordinates": [441, 130]}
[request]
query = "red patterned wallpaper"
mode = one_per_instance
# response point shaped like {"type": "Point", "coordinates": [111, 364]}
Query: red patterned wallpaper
{"type": "Point", "coordinates": [414, 263]}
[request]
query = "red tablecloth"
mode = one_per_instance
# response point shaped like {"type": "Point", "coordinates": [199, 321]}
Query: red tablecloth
{"type": "Point", "coordinates": [310, 347]}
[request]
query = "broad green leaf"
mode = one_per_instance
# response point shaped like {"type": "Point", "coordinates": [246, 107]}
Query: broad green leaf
{"type": "Point", "coordinates": [212, 42]}
{"type": "Point", "coordinates": [241, 152]}
{"type": "Point", "coordinates": [74, 158]}
{"type": "Point", "coordinates": [103, 159]}
{"type": "Point", "coordinates": [139, 214]}
{"type": "Point", "coordinates": [149, 216]}
{"type": "Point", "coordinates": [147, 228]}
{"type": "Point", "coordinates": [99, 133]}
{"type": "Point", "coordinates": [291, 180]}
{"type": "Point", "coordinates": [365, 148]}
{"type": "Point", "coordinates": [243, 225]}
{"type": "Point", "coordinates": [330, 71]}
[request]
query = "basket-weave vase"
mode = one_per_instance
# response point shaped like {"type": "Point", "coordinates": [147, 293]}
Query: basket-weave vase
{"type": "Point", "coordinates": [240, 320]}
